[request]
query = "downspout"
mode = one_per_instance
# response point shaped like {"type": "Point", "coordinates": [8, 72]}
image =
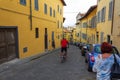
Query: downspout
{"type": "Point", "coordinates": [112, 17]}
{"type": "Point", "coordinates": [30, 14]}
{"type": "Point", "coordinates": [112, 20]}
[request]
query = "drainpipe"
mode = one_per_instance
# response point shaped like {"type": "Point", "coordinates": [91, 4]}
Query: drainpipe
{"type": "Point", "coordinates": [30, 14]}
{"type": "Point", "coordinates": [112, 17]}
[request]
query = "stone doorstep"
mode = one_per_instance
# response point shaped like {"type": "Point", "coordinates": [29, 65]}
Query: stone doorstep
{"type": "Point", "coordinates": [7, 65]}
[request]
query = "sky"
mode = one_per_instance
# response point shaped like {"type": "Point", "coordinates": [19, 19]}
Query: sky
{"type": "Point", "coordinates": [73, 7]}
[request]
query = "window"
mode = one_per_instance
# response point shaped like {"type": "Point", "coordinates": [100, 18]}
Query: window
{"type": "Point", "coordinates": [50, 11]}
{"type": "Point", "coordinates": [99, 17]}
{"type": "Point", "coordinates": [58, 8]}
{"type": "Point", "coordinates": [85, 25]}
{"type": "Point", "coordinates": [45, 8]}
{"type": "Point", "coordinates": [23, 2]}
{"type": "Point", "coordinates": [110, 10]}
{"type": "Point", "coordinates": [61, 11]}
{"type": "Point", "coordinates": [37, 32]}
{"type": "Point", "coordinates": [103, 14]}
{"type": "Point", "coordinates": [93, 22]}
{"type": "Point", "coordinates": [101, 37]}
{"type": "Point", "coordinates": [84, 36]}
{"type": "Point", "coordinates": [54, 13]}
{"type": "Point", "coordinates": [36, 4]}
{"type": "Point", "coordinates": [89, 23]}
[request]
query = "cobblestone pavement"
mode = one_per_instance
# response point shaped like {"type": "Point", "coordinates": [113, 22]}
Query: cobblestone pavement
{"type": "Point", "coordinates": [48, 67]}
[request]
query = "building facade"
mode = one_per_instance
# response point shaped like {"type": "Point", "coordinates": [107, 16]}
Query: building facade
{"type": "Point", "coordinates": [29, 27]}
{"type": "Point", "coordinates": [88, 26]}
{"type": "Point", "coordinates": [78, 26]}
{"type": "Point", "coordinates": [91, 25]}
{"type": "Point", "coordinates": [97, 23]}
{"type": "Point", "coordinates": [104, 20]}
{"type": "Point", "coordinates": [116, 24]}
{"type": "Point", "coordinates": [101, 23]}
{"type": "Point", "coordinates": [67, 34]}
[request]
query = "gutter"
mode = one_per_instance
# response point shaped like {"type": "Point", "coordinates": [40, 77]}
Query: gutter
{"type": "Point", "coordinates": [30, 15]}
{"type": "Point", "coordinates": [113, 17]}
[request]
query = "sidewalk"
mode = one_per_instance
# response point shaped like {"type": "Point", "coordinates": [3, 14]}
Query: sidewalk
{"type": "Point", "coordinates": [16, 62]}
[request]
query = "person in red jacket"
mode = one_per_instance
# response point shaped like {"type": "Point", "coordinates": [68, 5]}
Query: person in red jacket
{"type": "Point", "coordinates": [64, 44]}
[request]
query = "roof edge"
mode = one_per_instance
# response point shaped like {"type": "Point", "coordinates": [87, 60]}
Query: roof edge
{"type": "Point", "coordinates": [63, 2]}
{"type": "Point", "coordinates": [89, 11]}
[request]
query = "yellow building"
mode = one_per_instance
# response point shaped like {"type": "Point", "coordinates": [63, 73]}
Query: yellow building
{"type": "Point", "coordinates": [83, 30]}
{"type": "Point", "coordinates": [70, 30]}
{"type": "Point", "coordinates": [78, 26]}
{"type": "Point", "coordinates": [77, 33]}
{"type": "Point", "coordinates": [104, 20]}
{"type": "Point", "coordinates": [116, 25]}
{"type": "Point", "coordinates": [74, 35]}
{"type": "Point", "coordinates": [67, 34]}
{"type": "Point", "coordinates": [91, 25]}
{"type": "Point", "coordinates": [29, 27]}
{"type": "Point", "coordinates": [88, 27]}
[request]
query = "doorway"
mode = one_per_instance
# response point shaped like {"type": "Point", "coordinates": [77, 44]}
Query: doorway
{"type": "Point", "coordinates": [8, 44]}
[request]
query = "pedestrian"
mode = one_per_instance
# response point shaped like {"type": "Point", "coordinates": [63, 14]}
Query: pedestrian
{"type": "Point", "coordinates": [104, 62]}
{"type": "Point", "coordinates": [64, 44]}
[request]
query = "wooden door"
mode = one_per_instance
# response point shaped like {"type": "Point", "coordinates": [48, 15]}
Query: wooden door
{"type": "Point", "coordinates": [7, 44]}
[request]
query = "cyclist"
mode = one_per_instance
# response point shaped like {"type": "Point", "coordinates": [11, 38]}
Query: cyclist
{"type": "Point", "coordinates": [64, 44]}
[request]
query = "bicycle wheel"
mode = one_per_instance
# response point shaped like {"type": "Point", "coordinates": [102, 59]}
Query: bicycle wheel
{"type": "Point", "coordinates": [62, 59]}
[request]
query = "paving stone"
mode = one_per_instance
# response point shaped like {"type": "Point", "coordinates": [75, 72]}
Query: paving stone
{"type": "Point", "coordinates": [48, 67]}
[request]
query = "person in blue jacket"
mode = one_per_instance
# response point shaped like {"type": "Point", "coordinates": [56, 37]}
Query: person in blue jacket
{"type": "Point", "coordinates": [104, 62]}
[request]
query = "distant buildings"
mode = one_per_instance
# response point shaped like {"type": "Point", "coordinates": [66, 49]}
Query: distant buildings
{"type": "Point", "coordinates": [86, 27]}
{"type": "Point", "coordinates": [100, 23]}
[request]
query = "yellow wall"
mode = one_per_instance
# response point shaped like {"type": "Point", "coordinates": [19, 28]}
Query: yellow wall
{"type": "Point", "coordinates": [78, 33]}
{"type": "Point", "coordinates": [83, 30]}
{"type": "Point", "coordinates": [86, 26]}
{"type": "Point", "coordinates": [91, 32]}
{"type": "Point", "coordinates": [116, 25]}
{"type": "Point", "coordinates": [74, 35]}
{"type": "Point", "coordinates": [67, 35]}
{"type": "Point", "coordinates": [12, 13]}
{"type": "Point", "coordinates": [104, 27]}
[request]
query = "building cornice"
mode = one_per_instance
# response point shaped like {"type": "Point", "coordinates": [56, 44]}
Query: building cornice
{"type": "Point", "coordinates": [63, 2]}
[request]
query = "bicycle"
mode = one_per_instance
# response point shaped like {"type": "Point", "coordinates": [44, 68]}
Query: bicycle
{"type": "Point", "coordinates": [63, 54]}
{"type": "Point", "coordinates": [63, 57]}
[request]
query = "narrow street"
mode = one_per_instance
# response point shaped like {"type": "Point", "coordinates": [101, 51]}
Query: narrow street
{"type": "Point", "coordinates": [48, 67]}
